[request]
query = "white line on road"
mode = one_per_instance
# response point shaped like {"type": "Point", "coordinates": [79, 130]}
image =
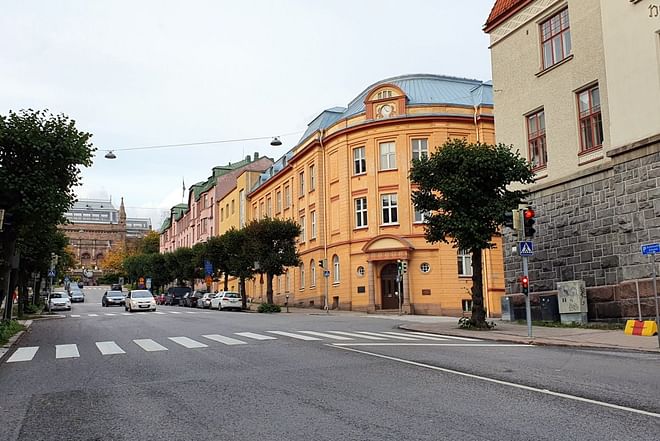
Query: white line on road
{"type": "Point", "coordinates": [109, 313]}
{"type": "Point", "coordinates": [191, 312]}
{"type": "Point", "coordinates": [462, 345]}
{"type": "Point", "coordinates": [504, 383]}
{"type": "Point", "coordinates": [23, 354]}
{"type": "Point", "coordinates": [389, 336]}
{"type": "Point", "coordinates": [75, 315]}
{"type": "Point", "coordinates": [92, 315]}
{"type": "Point", "coordinates": [323, 334]}
{"type": "Point", "coordinates": [174, 312]}
{"type": "Point", "coordinates": [125, 313]}
{"type": "Point", "coordinates": [450, 337]}
{"type": "Point", "coordinates": [292, 335]}
{"type": "Point", "coordinates": [66, 351]}
{"type": "Point", "coordinates": [353, 334]}
{"type": "Point", "coordinates": [149, 345]}
{"type": "Point", "coordinates": [159, 312]}
{"type": "Point", "coordinates": [225, 340]}
{"type": "Point", "coordinates": [109, 348]}
{"type": "Point", "coordinates": [255, 336]}
{"type": "Point", "coordinates": [423, 337]}
{"type": "Point", "coordinates": [188, 342]}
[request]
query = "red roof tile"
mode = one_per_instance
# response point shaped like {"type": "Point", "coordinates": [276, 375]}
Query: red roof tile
{"type": "Point", "coordinates": [502, 10]}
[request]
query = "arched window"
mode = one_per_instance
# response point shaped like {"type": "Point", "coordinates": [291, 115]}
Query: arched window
{"type": "Point", "coordinates": [302, 276]}
{"type": "Point", "coordinates": [312, 275]}
{"type": "Point", "coordinates": [335, 267]}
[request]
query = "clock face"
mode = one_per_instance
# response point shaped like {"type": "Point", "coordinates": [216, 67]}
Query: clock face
{"type": "Point", "coordinates": [88, 273]}
{"type": "Point", "coordinates": [386, 110]}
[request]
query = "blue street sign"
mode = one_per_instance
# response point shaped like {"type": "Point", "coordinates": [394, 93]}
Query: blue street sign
{"type": "Point", "coordinates": [51, 273]}
{"type": "Point", "coordinates": [326, 273]}
{"type": "Point", "coordinates": [651, 248]}
{"type": "Point", "coordinates": [526, 248]}
{"type": "Point", "coordinates": [66, 279]}
{"type": "Point", "coordinates": [208, 267]}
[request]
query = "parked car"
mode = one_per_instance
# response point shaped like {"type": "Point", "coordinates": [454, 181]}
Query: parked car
{"type": "Point", "coordinates": [174, 294]}
{"type": "Point", "coordinates": [140, 300]}
{"type": "Point", "coordinates": [115, 287]}
{"type": "Point", "coordinates": [80, 284]}
{"type": "Point", "coordinates": [192, 299]}
{"type": "Point", "coordinates": [205, 300]}
{"type": "Point", "coordinates": [76, 294]}
{"type": "Point", "coordinates": [160, 299]}
{"type": "Point", "coordinates": [113, 298]}
{"type": "Point", "coordinates": [227, 299]}
{"type": "Point", "coordinates": [59, 300]}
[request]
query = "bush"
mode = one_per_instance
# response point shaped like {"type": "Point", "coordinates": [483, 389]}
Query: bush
{"type": "Point", "coordinates": [7, 329]}
{"type": "Point", "coordinates": [269, 307]}
{"type": "Point", "coordinates": [29, 308]}
{"type": "Point", "coordinates": [466, 323]}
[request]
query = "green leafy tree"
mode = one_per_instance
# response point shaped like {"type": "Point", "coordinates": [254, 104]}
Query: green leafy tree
{"type": "Point", "coordinates": [272, 244]}
{"type": "Point", "coordinates": [464, 188]}
{"type": "Point", "coordinates": [150, 243]}
{"type": "Point", "coordinates": [217, 253]}
{"type": "Point", "coordinates": [240, 262]}
{"type": "Point", "coordinates": [183, 265]}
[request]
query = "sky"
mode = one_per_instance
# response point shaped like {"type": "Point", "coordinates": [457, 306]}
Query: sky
{"type": "Point", "coordinates": [151, 73]}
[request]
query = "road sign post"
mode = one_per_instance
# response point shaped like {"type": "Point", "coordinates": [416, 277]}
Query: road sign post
{"type": "Point", "coordinates": [651, 250]}
{"type": "Point", "coordinates": [528, 252]}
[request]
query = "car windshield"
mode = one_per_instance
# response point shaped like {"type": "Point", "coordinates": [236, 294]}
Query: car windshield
{"type": "Point", "coordinates": [115, 294]}
{"type": "Point", "coordinates": [58, 295]}
{"type": "Point", "coordinates": [232, 295]}
{"type": "Point", "coordinates": [141, 294]}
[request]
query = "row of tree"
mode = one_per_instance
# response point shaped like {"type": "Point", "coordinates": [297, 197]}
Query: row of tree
{"type": "Point", "coordinates": [40, 159]}
{"type": "Point", "coordinates": [266, 246]}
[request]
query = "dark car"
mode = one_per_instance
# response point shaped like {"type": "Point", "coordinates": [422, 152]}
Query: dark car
{"type": "Point", "coordinates": [174, 294]}
{"type": "Point", "coordinates": [115, 287]}
{"type": "Point", "coordinates": [160, 299]}
{"type": "Point", "coordinates": [113, 298]}
{"type": "Point", "coordinates": [191, 300]}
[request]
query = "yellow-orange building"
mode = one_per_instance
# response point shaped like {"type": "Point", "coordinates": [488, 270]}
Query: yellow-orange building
{"type": "Point", "coordinates": [346, 183]}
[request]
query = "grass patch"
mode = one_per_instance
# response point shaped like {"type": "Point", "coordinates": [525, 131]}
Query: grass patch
{"type": "Point", "coordinates": [590, 325]}
{"type": "Point", "coordinates": [8, 329]}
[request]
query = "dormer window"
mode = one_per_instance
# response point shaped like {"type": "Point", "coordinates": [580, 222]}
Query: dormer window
{"type": "Point", "coordinates": [383, 94]}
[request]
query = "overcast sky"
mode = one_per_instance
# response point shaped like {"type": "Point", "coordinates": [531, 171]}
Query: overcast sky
{"type": "Point", "coordinates": [144, 73]}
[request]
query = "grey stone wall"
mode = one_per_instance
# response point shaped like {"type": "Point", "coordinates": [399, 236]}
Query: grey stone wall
{"type": "Point", "coordinates": [591, 228]}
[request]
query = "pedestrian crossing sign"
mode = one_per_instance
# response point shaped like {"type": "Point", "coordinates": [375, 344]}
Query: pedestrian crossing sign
{"type": "Point", "coordinates": [526, 248]}
{"type": "Point", "coordinates": [51, 273]}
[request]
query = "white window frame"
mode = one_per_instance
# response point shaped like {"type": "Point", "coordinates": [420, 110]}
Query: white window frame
{"type": "Point", "coordinates": [312, 216]}
{"type": "Point", "coordinates": [301, 183]}
{"type": "Point", "coordinates": [359, 161]}
{"type": "Point", "coordinates": [312, 177]}
{"type": "Point", "coordinates": [361, 213]}
{"type": "Point", "coordinates": [464, 260]}
{"type": "Point", "coordinates": [420, 216]}
{"type": "Point", "coordinates": [278, 201]}
{"type": "Point", "coordinates": [387, 155]}
{"type": "Point", "coordinates": [419, 148]}
{"type": "Point", "coordinates": [302, 276]}
{"type": "Point", "coordinates": [389, 205]}
{"type": "Point", "coordinates": [303, 233]}
{"type": "Point", "coordinates": [312, 273]}
{"type": "Point", "coordinates": [287, 196]}
{"type": "Point", "coordinates": [335, 266]}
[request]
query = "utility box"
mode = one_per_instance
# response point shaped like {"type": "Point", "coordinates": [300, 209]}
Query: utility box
{"type": "Point", "coordinates": [549, 308]}
{"type": "Point", "coordinates": [507, 309]}
{"type": "Point", "coordinates": [572, 299]}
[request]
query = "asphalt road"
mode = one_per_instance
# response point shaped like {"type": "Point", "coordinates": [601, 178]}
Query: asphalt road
{"type": "Point", "coordinates": [190, 374]}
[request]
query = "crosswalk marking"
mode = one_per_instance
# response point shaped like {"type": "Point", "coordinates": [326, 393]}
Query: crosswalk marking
{"type": "Point", "coordinates": [450, 337]}
{"type": "Point", "coordinates": [255, 336]}
{"type": "Point", "coordinates": [75, 315]}
{"type": "Point", "coordinates": [110, 313]}
{"type": "Point", "coordinates": [159, 312]}
{"type": "Point", "coordinates": [188, 342]}
{"type": "Point", "coordinates": [323, 334]}
{"type": "Point", "coordinates": [66, 351]}
{"type": "Point", "coordinates": [389, 336]}
{"type": "Point", "coordinates": [225, 340]}
{"type": "Point", "coordinates": [292, 335]}
{"type": "Point", "coordinates": [125, 313]}
{"type": "Point", "coordinates": [23, 354]}
{"type": "Point", "coordinates": [353, 334]}
{"type": "Point", "coordinates": [191, 312]}
{"type": "Point", "coordinates": [92, 315]}
{"type": "Point", "coordinates": [174, 312]}
{"type": "Point", "coordinates": [423, 337]}
{"type": "Point", "coordinates": [149, 345]}
{"type": "Point", "coordinates": [109, 348]}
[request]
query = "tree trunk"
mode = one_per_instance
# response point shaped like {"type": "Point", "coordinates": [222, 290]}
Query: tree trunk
{"type": "Point", "coordinates": [478, 311]}
{"type": "Point", "coordinates": [9, 304]}
{"type": "Point", "coordinates": [226, 282]}
{"type": "Point", "coordinates": [241, 291]}
{"type": "Point", "coordinates": [269, 288]}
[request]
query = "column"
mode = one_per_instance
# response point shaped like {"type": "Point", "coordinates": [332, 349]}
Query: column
{"type": "Point", "coordinates": [371, 307]}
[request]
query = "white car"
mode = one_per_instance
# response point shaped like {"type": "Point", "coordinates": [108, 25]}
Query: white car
{"type": "Point", "coordinates": [226, 299]}
{"type": "Point", "coordinates": [59, 300]}
{"type": "Point", "coordinates": [140, 300]}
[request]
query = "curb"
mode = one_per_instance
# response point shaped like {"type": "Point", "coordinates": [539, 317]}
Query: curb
{"type": "Point", "coordinates": [14, 338]}
{"type": "Point", "coordinates": [533, 341]}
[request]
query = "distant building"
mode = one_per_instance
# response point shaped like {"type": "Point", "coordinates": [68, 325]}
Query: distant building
{"type": "Point", "coordinates": [95, 227]}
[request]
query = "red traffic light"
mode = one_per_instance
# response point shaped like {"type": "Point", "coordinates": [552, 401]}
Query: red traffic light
{"type": "Point", "coordinates": [529, 213]}
{"type": "Point", "coordinates": [524, 281]}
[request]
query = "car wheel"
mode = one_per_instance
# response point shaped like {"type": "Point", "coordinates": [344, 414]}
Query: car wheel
{"type": "Point", "coordinates": [125, 308]}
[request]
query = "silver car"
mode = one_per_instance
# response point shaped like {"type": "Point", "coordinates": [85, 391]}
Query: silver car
{"type": "Point", "coordinates": [113, 298]}
{"type": "Point", "coordinates": [76, 294]}
{"type": "Point", "coordinates": [140, 300]}
{"type": "Point", "coordinates": [59, 300]}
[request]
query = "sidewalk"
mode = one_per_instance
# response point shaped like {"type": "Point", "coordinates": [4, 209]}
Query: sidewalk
{"type": "Point", "coordinates": [542, 335]}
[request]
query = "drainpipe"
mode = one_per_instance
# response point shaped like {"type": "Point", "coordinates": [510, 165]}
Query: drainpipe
{"type": "Point", "coordinates": [476, 125]}
{"type": "Point", "coordinates": [325, 223]}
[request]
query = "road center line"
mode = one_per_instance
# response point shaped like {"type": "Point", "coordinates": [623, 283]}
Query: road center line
{"type": "Point", "coordinates": [493, 380]}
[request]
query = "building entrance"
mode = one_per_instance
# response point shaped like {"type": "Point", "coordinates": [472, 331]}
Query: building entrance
{"type": "Point", "coordinates": [388, 287]}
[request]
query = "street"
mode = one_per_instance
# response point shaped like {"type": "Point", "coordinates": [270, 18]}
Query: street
{"type": "Point", "coordinates": [192, 374]}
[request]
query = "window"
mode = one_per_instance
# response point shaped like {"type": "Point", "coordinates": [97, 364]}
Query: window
{"type": "Point", "coordinates": [262, 212]}
{"type": "Point", "coordinates": [312, 178]}
{"type": "Point", "coordinates": [302, 276]}
{"type": "Point", "coordinates": [387, 156]}
{"type": "Point", "coordinates": [269, 206]}
{"type": "Point", "coordinates": [420, 148]}
{"type": "Point", "coordinates": [312, 273]}
{"type": "Point", "coordinates": [538, 153]}
{"type": "Point", "coordinates": [425, 267]}
{"type": "Point", "coordinates": [206, 201]}
{"type": "Point", "coordinates": [555, 39]}
{"type": "Point", "coordinates": [301, 183]}
{"type": "Point", "coordinates": [360, 212]}
{"type": "Point", "coordinates": [287, 280]}
{"type": "Point", "coordinates": [420, 215]}
{"type": "Point", "coordinates": [467, 305]}
{"type": "Point", "coordinates": [313, 225]}
{"type": "Point", "coordinates": [278, 201]}
{"type": "Point", "coordinates": [335, 267]}
{"type": "Point", "coordinates": [360, 271]}
{"type": "Point", "coordinates": [384, 94]}
{"type": "Point", "coordinates": [287, 196]}
{"type": "Point", "coordinates": [389, 208]}
{"type": "Point", "coordinates": [359, 161]}
{"type": "Point", "coordinates": [591, 121]}
{"type": "Point", "coordinates": [303, 237]}
{"type": "Point", "coordinates": [464, 263]}
{"type": "Point", "coordinates": [232, 206]}
{"type": "Point", "coordinates": [222, 214]}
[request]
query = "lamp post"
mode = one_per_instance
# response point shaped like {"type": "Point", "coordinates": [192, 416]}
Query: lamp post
{"type": "Point", "coordinates": [287, 303]}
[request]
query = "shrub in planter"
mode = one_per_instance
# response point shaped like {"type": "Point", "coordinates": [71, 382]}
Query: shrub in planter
{"type": "Point", "coordinates": [269, 307]}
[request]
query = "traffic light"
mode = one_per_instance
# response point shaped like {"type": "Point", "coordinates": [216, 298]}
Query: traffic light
{"type": "Point", "coordinates": [404, 267]}
{"type": "Point", "coordinates": [529, 221]}
{"type": "Point", "coordinates": [399, 267]}
{"type": "Point", "coordinates": [322, 263]}
{"type": "Point", "coordinates": [524, 282]}
{"type": "Point", "coordinates": [512, 219]}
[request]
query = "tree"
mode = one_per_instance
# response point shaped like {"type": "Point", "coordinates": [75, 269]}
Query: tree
{"type": "Point", "coordinates": [240, 262]}
{"type": "Point", "coordinates": [463, 187]}
{"type": "Point", "coordinates": [272, 244]}
{"type": "Point", "coordinates": [217, 253]}
{"type": "Point", "coordinates": [113, 261]}
{"type": "Point", "coordinates": [150, 243]}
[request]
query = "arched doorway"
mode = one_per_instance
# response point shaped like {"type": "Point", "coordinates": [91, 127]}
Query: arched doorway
{"type": "Point", "coordinates": [388, 287]}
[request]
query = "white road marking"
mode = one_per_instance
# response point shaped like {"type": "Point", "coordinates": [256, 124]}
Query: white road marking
{"type": "Point", "coordinates": [255, 336]}
{"type": "Point", "coordinates": [110, 313]}
{"type": "Point", "coordinates": [92, 315]}
{"type": "Point", "coordinates": [23, 354]}
{"type": "Point", "coordinates": [501, 382]}
{"type": "Point", "coordinates": [292, 335]}
{"type": "Point", "coordinates": [109, 348]}
{"type": "Point", "coordinates": [66, 351]}
{"type": "Point", "coordinates": [353, 334]}
{"type": "Point", "coordinates": [191, 312]}
{"type": "Point", "coordinates": [174, 312]}
{"type": "Point", "coordinates": [125, 313]}
{"type": "Point", "coordinates": [423, 337]}
{"type": "Point", "coordinates": [149, 345]}
{"type": "Point", "coordinates": [75, 315]}
{"type": "Point", "coordinates": [159, 312]}
{"type": "Point", "coordinates": [389, 336]}
{"type": "Point", "coordinates": [188, 342]}
{"type": "Point", "coordinates": [463, 345]}
{"type": "Point", "coordinates": [450, 337]}
{"type": "Point", "coordinates": [323, 334]}
{"type": "Point", "coordinates": [225, 340]}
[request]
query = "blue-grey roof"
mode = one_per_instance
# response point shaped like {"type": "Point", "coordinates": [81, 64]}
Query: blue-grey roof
{"type": "Point", "coordinates": [420, 89]}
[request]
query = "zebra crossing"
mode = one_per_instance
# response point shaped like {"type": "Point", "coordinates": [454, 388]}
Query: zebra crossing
{"type": "Point", "coordinates": [116, 314]}
{"type": "Point", "coordinates": [111, 348]}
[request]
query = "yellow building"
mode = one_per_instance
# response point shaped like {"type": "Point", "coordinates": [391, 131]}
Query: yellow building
{"type": "Point", "coordinates": [346, 183]}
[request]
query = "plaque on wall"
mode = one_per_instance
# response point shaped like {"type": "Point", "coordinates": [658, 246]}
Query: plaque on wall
{"type": "Point", "coordinates": [426, 292]}
{"type": "Point", "coordinates": [361, 289]}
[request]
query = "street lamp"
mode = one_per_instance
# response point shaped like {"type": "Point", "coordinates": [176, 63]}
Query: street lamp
{"type": "Point", "coordinates": [287, 303]}
{"type": "Point", "coordinates": [276, 141]}
{"type": "Point", "coordinates": [110, 155]}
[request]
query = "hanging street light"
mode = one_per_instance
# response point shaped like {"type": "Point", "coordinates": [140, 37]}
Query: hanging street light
{"type": "Point", "coordinates": [110, 155]}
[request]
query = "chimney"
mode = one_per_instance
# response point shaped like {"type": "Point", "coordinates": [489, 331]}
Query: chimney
{"type": "Point", "coordinates": [256, 155]}
{"type": "Point", "coordinates": [247, 158]}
